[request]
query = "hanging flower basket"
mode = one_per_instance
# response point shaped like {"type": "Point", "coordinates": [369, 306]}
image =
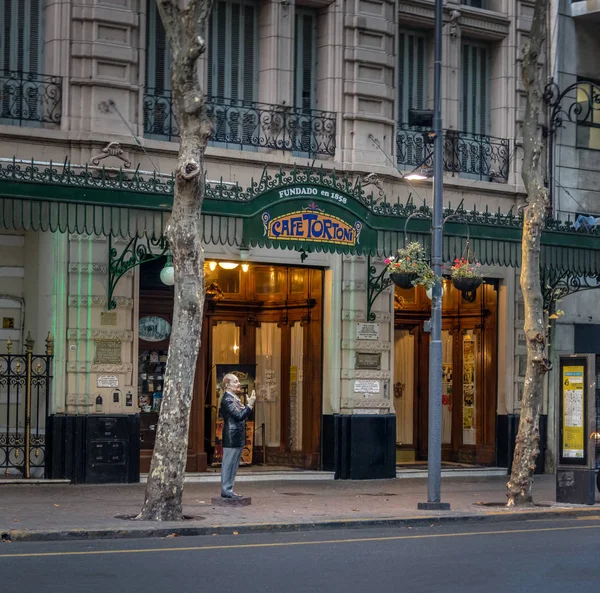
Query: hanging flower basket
{"type": "Point", "coordinates": [411, 267]}
{"type": "Point", "coordinates": [466, 276]}
{"type": "Point", "coordinates": [403, 279]}
{"type": "Point", "coordinates": [467, 284]}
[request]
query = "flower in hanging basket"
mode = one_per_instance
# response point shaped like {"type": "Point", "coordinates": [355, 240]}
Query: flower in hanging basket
{"type": "Point", "coordinates": [466, 275]}
{"type": "Point", "coordinates": [411, 267]}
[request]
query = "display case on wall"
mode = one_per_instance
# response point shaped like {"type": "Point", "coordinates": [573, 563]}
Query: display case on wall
{"type": "Point", "coordinates": [151, 379]}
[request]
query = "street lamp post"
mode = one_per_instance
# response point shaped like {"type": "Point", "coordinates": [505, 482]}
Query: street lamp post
{"type": "Point", "coordinates": [434, 446]}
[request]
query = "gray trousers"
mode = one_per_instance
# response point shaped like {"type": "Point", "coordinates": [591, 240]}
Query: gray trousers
{"type": "Point", "coordinates": [229, 467]}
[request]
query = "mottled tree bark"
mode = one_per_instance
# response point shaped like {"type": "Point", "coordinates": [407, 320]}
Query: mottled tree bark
{"type": "Point", "coordinates": [185, 28]}
{"type": "Point", "coordinates": [528, 436]}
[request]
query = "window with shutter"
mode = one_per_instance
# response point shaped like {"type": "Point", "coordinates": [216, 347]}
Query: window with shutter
{"type": "Point", "coordinates": [305, 60]}
{"type": "Point", "coordinates": [233, 50]}
{"type": "Point", "coordinates": [21, 63]}
{"type": "Point", "coordinates": [22, 39]}
{"type": "Point", "coordinates": [475, 104]}
{"type": "Point", "coordinates": [305, 81]}
{"type": "Point", "coordinates": [233, 73]}
{"type": "Point", "coordinates": [412, 73]}
{"type": "Point", "coordinates": [159, 120]}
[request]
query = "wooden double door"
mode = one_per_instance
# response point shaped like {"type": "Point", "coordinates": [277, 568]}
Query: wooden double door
{"type": "Point", "coordinates": [275, 326]}
{"type": "Point", "coordinates": [469, 377]}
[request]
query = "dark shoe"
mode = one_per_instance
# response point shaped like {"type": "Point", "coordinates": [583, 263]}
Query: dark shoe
{"type": "Point", "coordinates": [233, 495]}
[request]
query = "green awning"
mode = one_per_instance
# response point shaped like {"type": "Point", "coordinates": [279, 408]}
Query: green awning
{"type": "Point", "coordinates": [345, 218]}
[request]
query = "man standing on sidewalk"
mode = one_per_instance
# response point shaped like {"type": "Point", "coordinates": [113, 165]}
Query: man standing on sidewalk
{"type": "Point", "coordinates": [234, 414]}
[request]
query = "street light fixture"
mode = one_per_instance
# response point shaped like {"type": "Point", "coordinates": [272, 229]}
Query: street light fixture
{"type": "Point", "coordinates": [434, 446]}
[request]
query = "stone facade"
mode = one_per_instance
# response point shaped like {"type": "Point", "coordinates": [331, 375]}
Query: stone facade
{"type": "Point", "coordinates": [99, 49]}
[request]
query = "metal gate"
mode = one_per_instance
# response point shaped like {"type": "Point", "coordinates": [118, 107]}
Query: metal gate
{"type": "Point", "coordinates": [24, 403]}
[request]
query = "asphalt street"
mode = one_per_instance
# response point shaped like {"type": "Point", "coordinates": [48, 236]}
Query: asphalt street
{"type": "Point", "coordinates": [561, 556]}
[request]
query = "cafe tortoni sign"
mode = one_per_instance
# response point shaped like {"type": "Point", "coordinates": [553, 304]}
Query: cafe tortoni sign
{"type": "Point", "coordinates": [310, 215]}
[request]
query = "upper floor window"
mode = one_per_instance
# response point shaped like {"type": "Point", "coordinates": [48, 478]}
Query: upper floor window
{"type": "Point", "coordinates": [476, 82]}
{"type": "Point", "coordinates": [22, 38]}
{"type": "Point", "coordinates": [305, 59]}
{"type": "Point", "coordinates": [588, 116]}
{"type": "Point", "coordinates": [412, 73]}
{"type": "Point", "coordinates": [475, 3]}
{"type": "Point", "coordinates": [233, 50]}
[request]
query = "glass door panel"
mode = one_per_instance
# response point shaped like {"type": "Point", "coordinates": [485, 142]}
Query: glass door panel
{"type": "Point", "coordinates": [225, 350]}
{"type": "Point", "coordinates": [268, 384]}
{"type": "Point", "coordinates": [296, 380]}
{"type": "Point", "coordinates": [404, 385]}
{"type": "Point", "coordinates": [469, 389]}
{"type": "Point", "coordinates": [447, 343]}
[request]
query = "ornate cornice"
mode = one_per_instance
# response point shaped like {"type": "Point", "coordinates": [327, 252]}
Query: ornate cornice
{"type": "Point", "coordinates": [354, 285]}
{"type": "Point", "coordinates": [353, 315]}
{"type": "Point", "coordinates": [364, 374]}
{"type": "Point", "coordinates": [355, 258]}
{"type": "Point", "coordinates": [98, 301]}
{"type": "Point", "coordinates": [365, 403]}
{"type": "Point", "coordinates": [88, 269]}
{"type": "Point", "coordinates": [377, 346]}
{"type": "Point", "coordinates": [125, 335]}
{"type": "Point", "coordinates": [89, 367]}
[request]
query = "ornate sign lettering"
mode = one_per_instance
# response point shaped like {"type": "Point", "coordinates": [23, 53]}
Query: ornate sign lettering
{"type": "Point", "coordinates": [311, 224]}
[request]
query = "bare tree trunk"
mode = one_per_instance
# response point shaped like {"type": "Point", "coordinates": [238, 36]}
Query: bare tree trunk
{"type": "Point", "coordinates": [528, 436]}
{"type": "Point", "coordinates": [185, 29]}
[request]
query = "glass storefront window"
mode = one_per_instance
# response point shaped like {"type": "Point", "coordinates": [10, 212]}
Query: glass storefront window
{"type": "Point", "coordinates": [469, 389]}
{"type": "Point", "coordinates": [296, 381]}
{"type": "Point", "coordinates": [268, 384]}
{"type": "Point", "coordinates": [447, 344]}
{"type": "Point", "coordinates": [270, 280]}
{"type": "Point", "coordinates": [404, 385]}
{"type": "Point", "coordinates": [297, 281]}
{"type": "Point", "coordinates": [228, 280]}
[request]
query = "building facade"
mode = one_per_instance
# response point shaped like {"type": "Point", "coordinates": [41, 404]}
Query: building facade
{"type": "Point", "coordinates": [302, 96]}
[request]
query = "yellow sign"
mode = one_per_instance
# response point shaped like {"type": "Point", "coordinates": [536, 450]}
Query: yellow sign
{"type": "Point", "coordinates": [311, 224]}
{"type": "Point", "coordinates": [573, 412]}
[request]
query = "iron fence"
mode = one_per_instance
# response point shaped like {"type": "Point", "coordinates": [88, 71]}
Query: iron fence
{"type": "Point", "coordinates": [248, 124]}
{"type": "Point", "coordinates": [25, 381]}
{"type": "Point", "coordinates": [477, 156]}
{"type": "Point", "coordinates": [28, 98]}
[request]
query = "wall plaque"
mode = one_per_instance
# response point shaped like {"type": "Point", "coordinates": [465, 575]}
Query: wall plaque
{"type": "Point", "coordinates": [108, 352]}
{"type": "Point", "coordinates": [107, 381]}
{"type": "Point", "coordinates": [368, 360]}
{"type": "Point", "coordinates": [8, 323]}
{"type": "Point", "coordinates": [367, 331]}
{"type": "Point", "coordinates": [108, 318]}
{"type": "Point", "coordinates": [366, 386]}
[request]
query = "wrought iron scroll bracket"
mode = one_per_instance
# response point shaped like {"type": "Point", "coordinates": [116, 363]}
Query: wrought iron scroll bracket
{"type": "Point", "coordinates": [136, 252]}
{"type": "Point", "coordinates": [377, 283]}
{"type": "Point", "coordinates": [558, 285]}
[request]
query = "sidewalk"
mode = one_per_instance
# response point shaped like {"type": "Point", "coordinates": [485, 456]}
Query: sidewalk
{"type": "Point", "coordinates": [58, 511]}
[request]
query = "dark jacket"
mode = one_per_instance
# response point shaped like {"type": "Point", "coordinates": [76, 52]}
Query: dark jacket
{"type": "Point", "coordinates": [234, 414]}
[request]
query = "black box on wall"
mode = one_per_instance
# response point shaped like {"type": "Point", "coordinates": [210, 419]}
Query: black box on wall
{"type": "Point", "coordinates": [364, 446]}
{"type": "Point", "coordinates": [94, 449]}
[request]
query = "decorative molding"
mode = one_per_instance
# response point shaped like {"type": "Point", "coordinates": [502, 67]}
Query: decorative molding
{"type": "Point", "coordinates": [377, 346]}
{"type": "Point", "coordinates": [88, 367]}
{"type": "Point", "coordinates": [88, 269]}
{"type": "Point", "coordinates": [353, 315]}
{"type": "Point", "coordinates": [382, 316]}
{"type": "Point", "coordinates": [99, 301]}
{"type": "Point", "coordinates": [75, 238]}
{"type": "Point", "coordinates": [355, 258]}
{"type": "Point", "coordinates": [80, 400]}
{"type": "Point", "coordinates": [365, 403]}
{"type": "Point", "coordinates": [354, 285]}
{"type": "Point", "coordinates": [125, 335]}
{"type": "Point", "coordinates": [364, 374]}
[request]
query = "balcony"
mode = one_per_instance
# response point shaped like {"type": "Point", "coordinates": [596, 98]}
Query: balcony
{"type": "Point", "coordinates": [29, 99]}
{"type": "Point", "coordinates": [474, 156]}
{"type": "Point", "coordinates": [245, 125]}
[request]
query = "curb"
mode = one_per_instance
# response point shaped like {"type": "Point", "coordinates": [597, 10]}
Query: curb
{"type": "Point", "coordinates": [16, 535]}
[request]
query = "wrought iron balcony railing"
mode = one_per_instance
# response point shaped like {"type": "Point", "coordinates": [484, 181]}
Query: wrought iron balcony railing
{"type": "Point", "coordinates": [245, 124]}
{"type": "Point", "coordinates": [29, 99]}
{"type": "Point", "coordinates": [471, 155]}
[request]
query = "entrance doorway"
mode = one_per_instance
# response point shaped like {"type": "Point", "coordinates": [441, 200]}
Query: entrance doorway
{"type": "Point", "coordinates": [469, 376]}
{"type": "Point", "coordinates": [266, 317]}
